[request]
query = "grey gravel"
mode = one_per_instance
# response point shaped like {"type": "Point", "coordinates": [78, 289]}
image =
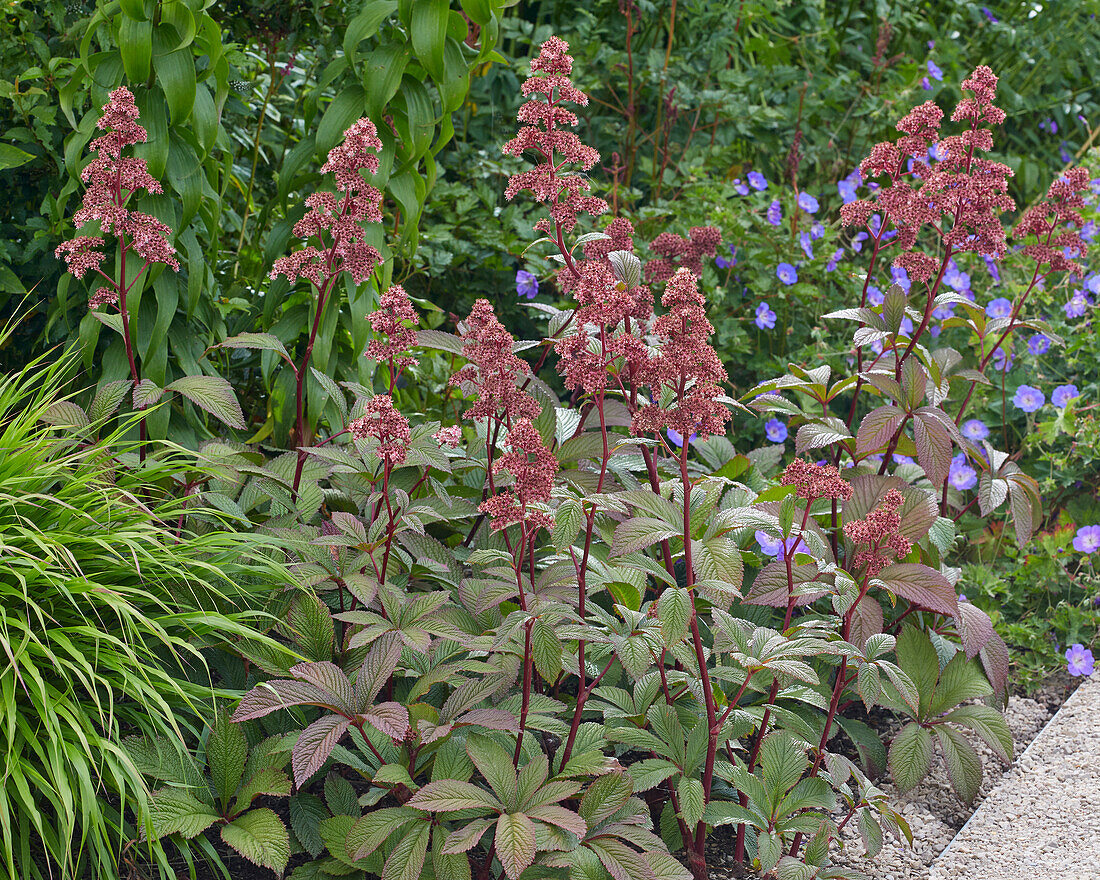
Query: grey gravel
{"type": "Point", "coordinates": [935, 813]}
{"type": "Point", "coordinates": [1043, 818]}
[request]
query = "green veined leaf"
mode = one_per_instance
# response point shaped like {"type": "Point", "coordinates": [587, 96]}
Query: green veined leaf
{"type": "Point", "coordinates": [261, 837]}
{"type": "Point", "coordinates": [175, 811]}
{"type": "Point", "coordinates": [910, 756]}
{"type": "Point", "coordinates": [213, 394]}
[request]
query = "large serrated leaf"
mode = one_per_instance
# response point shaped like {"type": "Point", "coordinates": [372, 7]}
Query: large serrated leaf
{"type": "Point", "coordinates": [515, 843]}
{"type": "Point", "coordinates": [213, 394]}
{"type": "Point", "coordinates": [226, 753]}
{"type": "Point", "coordinates": [175, 811]}
{"type": "Point", "coordinates": [261, 837]}
{"type": "Point", "coordinates": [964, 767]}
{"type": "Point", "coordinates": [910, 756]}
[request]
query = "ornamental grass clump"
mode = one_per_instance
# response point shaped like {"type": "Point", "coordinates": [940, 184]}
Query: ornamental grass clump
{"type": "Point", "coordinates": [579, 637]}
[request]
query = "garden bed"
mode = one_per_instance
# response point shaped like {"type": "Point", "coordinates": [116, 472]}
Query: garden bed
{"type": "Point", "coordinates": [934, 813]}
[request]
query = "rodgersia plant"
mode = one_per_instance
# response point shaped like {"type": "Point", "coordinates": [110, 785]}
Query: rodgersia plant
{"type": "Point", "coordinates": [573, 639]}
{"type": "Point", "coordinates": [113, 180]}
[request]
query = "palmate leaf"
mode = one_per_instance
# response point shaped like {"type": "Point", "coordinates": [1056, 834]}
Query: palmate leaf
{"type": "Point", "coordinates": [261, 837]}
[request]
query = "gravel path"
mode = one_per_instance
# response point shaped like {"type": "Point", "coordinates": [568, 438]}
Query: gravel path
{"type": "Point", "coordinates": [935, 813]}
{"type": "Point", "coordinates": [1043, 818]}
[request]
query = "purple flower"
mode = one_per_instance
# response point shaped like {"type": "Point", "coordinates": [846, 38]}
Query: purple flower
{"type": "Point", "coordinates": [1093, 283]}
{"type": "Point", "coordinates": [961, 475]}
{"type": "Point", "coordinates": [906, 328]}
{"type": "Point", "coordinates": [875, 296]}
{"type": "Point", "coordinates": [1028, 398]}
{"type": "Point", "coordinates": [847, 191]}
{"type": "Point", "coordinates": [740, 186]}
{"type": "Point", "coordinates": [1001, 307]}
{"type": "Point", "coordinates": [1087, 539]}
{"type": "Point", "coordinates": [757, 180]}
{"type": "Point", "coordinates": [903, 459]}
{"type": "Point", "coordinates": [857, 241]}
{"type": "Point", "coordinates": [1088, 233]}
{"type": "Point", "coordinates": [786, 273]}
{"type": "Point", "coordinates": [677, 439]}
{"type": "Point", "coordinates": [1002, 360]}
{"type": "Point", "coordinates": [925, 84]}
{"type": "Point", "coordinates": [775, 430]}
{"type": "Point", "coordinates": [937, 153]}
{"type": "Point", "coordinates": [765, 317]}
{"type": "Point", "coordinates": [1038, 344]}
{"type": "Point", "coordinates": [956, 280]}
{"type": "Point", "coordinates": [1065, 154]}
{"type": "Point", "coordinates": [989, 15]}
{"type": "Point", "coordinates": [722, 262]}
{"type": "Point", "coordinates": [778, 548]}
{"type": "Point", "coordinates": [837, 255]}
{"type": "Point", "coordinates": [1077, 306]}
{"type": "Point", "coordinates": [807, 244]}
{"type": "Point", "coordinates": [994, 272]}
{"type": "Point", "coordinates": [1079, 660]}
{"type": "Point", "coordinates": [934, 71]}
{"type": "Point", "coordinates": [975, 430]}
{"type": "Point", "coordinates": [807, 203]}
{"type": "Point", "coordinates": [1063, 394]}
{"type": "Point", "coordinates": [900, 277]}
{"type": "Point", "coordinates": [775, 213]}
{"type": "Point", "coordinates": [527, 284]}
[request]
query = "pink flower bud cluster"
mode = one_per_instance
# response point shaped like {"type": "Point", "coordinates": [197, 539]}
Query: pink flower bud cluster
{"type": "Point", "coordinates": [1060, 209]}
{"type": "Point", "coordinates": [544, 133]}
{"type": "Point", "coordinates": [382, 421]}
{"type": "Point", "coordinates": [686, 365]}
{"type": "Point", "coordinates": [450, 436]}
{"type": "Point", "coordinates": [534, 467]}
{"type": "Point", "coordinates": [394, 320]}
{"type": "Point", "coordinates": [962, 195]}
{"type": "Point", "coordinates": [111, 180]}
{"type": "Point", "coordinates": [494, 371]}
{"type": "Point", "coordinates": [816, 481]}
{"type": "Point", "coordinates": [878, 532]}
{"type": "Point", "coordinates": [340, 217]}
{"type": "Point", "coordinates": [674, 251]}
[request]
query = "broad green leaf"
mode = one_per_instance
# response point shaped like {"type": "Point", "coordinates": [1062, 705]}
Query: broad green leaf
{"type": "Point", "coordinates": [568, 519]}
{"type": "Point", "coordinates": [689, 790]}
{"type": "Point", "coordinates": [257, 341]}
{"type": "Point", "coordinates": [604, 796]}
{"type": "Point", "coordinates": [546, 650]}
{"type": "Point", "coordinates": [213, 394]}
{"type": "Point", "coordinates": [226, 753]}
{"type": "Point", "coordinates": [107, 399]}
{"type": "Point", "coordinates": [515, 843]}
{"type": "Point", "coordinates": [989, 724]}
{"type": "Point", "coordinates": [918, 659]}
{"type": "Point", "coordinates": [428, 30]}
{"type": "Point", "coordinates": [13, 157]}
{"type": "Point", "coordinates": [261, 837]}
{"type": "Point", "coordinates": [64, 414]}
{"type": "Point", "coordinates": [638, 533]}
{"type": "Point", "coordinates": [674, 609]}
{"type": "Point", "coordinates": [175, 811]}
{"type": "Point", "coordinates": [964, 767]}
{"type": "Point", "coordinates": [910, 756]}
{"type": "Point", "coordinates": [961, 680]}
{"type": "Point", "coordinates": [495, 764]}
{"type": "Point", "coordinates": [269, 781]}
{"type": "Point", "coordinates": [406, 861]}
{"type": "Point", "coordinates": [452, 795]}
{"type": "Point", "coordinates": [176, 74]}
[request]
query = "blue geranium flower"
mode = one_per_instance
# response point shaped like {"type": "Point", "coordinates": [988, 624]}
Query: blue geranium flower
{"type": "Point", "coordinates": [757, 180]}
{"type": "Point", "coordinates": [786, 273]}
{"type": "Point", "coordinates": [775, 430]}
{"type": "Point", "coordinates": [527, 284]}
{"type": "Point", "coordinates": [765, 317]}
{"type": "Point", "coordinates": [1028, 398]}
{"type": "Point", "coordinates": [807, 203]}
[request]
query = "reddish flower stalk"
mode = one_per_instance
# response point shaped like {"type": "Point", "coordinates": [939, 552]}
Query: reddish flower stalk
{"type": "Point", "coordinates": [111, 181]}
{"type": "Point", "coordinates": [339, 218]}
